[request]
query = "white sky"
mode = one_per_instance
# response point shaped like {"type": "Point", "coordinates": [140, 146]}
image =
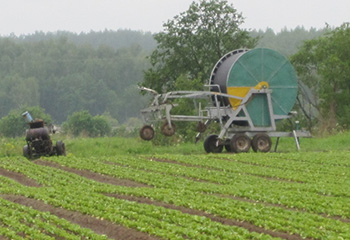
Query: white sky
{"type": "Point", "coordinates": [27, 16]}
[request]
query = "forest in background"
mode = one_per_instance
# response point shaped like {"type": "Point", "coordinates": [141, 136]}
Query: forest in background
{"type": "Point", "coordinates": [66, 72]}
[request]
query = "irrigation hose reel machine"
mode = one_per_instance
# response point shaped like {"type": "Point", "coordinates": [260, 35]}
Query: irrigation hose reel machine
{"type": "Point", "coordinates": [249, 91]}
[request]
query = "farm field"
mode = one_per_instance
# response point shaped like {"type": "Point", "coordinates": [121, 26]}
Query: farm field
{"type": "Point", "coordinates": [100, 191]}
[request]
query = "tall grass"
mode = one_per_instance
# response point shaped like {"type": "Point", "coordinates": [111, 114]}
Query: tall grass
{"type": "Point", "coordinates": [111, 146]}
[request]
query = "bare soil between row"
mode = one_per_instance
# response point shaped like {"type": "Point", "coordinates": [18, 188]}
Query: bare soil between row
{"type": "Point", "coordinates": [110, 229]}
{"type": "Point", "coordinates": [250, 227]}
{"type": "Point", "coordinates": [19, 177]}
{"type": "Point", "coordinates": [246, 225]}
{"type": "Point", "coordinates": [104, 227]}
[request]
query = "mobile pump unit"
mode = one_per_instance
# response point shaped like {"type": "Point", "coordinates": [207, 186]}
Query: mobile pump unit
{"type": "Point", "coordinates": [249, 91]}
{"type": "Point", "coordinates": [38, 140]}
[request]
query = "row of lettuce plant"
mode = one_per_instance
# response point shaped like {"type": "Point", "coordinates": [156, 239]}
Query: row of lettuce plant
{"type": "Point", "coordinates": [270, 217]}
{"type": "Point", "coordinates": [81, 196]}
{"type": "Point", "coordinates": [17, 220]}
{"type": "Point", "coordinates": [294, 194]}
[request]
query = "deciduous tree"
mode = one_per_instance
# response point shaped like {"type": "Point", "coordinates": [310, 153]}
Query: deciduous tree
{"type": "Point", "coordinates": [324, 64]}
{"type": "Point", "coordinates": [193, 41]}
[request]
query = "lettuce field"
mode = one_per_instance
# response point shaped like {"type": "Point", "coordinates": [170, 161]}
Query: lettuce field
{"type": "Point", "coordinates": [293, 195]}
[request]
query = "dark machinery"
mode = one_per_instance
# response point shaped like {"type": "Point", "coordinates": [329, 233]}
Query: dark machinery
{"type": "Point", "coordinates": [38, 140]}
{"type": "Point", "coordinates": [250, 90]}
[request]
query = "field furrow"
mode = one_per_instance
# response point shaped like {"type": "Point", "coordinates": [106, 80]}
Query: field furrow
{"type": "Point", "coordinates": [169, 196]}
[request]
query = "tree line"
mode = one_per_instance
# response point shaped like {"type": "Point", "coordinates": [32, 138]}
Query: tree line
{"type": "Point", "coordinates": [63, 77]}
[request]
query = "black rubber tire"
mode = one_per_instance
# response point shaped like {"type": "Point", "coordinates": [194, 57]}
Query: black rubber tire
{"type": "Point", "coordinates": [168, 131]}
{"type": "Point", "coordinates": [240, 142]}
{"type": "Point", "coordinates": [210, 144]}
{"type": "Point", "coordinates": [60, 148]}
{"type": "Point", "coordinates": [261, 143]}
{"type": "Point", "coordinates": [228, 148]}
{"type": "Point", "coordinates": [147, 132]}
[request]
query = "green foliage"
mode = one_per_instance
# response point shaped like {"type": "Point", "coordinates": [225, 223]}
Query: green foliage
{"type": "Point", "coordinates": [65, 72]}
{"type": "Point", "coordinates": [286, 41]}
{"type": "Point", "coordinates": [188, 48]}
{"type": "Point", "coordinates": [13, 125]}
{"type": "Point", "coordinates": [63, 77]}
{"type": "Point", "coordinates": [130, 128]}
{"type": "Point", "coordinates": [78, 123]}
{"type": "Point", "coordinates": [101, 126]}
{"type": "Point", "coordinates": [178, 196]}
{"type": "Point", "coordinates": [324, 64]}
{"type": "Point", "coordinates": [194, 41]}
{"type": "Point", "coordinates": [17, 91]}
{"type": "Point", "coordinates": [119, 39]}
{"type": "Point", "coordinates": [83, 123]}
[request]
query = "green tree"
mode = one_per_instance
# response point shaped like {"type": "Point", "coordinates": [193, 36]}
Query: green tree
{"type": "Point", "coordinates": [16, 92]}
{"type": "Point", "coordinates": [13, 125]}
{"type": "Point", "coordinates": [194, 41]}
{"type": "Point", "coordinates": [324, 65]}
{"type": "Point", "coordinates": [62, 77]}
{"type": "Point", "coordinates": [286, 41]}
{"type": "Point", "coordinates": [79, 123]}
{"type": "Point", "coordinates": [101, 126]}
{"type": "Point", "coordinates": [83, 123]}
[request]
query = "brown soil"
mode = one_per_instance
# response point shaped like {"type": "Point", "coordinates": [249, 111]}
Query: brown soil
{"type": "Point", "coordinates": [112, 230]}
{"type": "Point", "coordinates": [111, 180]}
{"type": "Point", "coordinates": [19, 177]}
{"type": "Point", "coordinates": [95, 176]}
{"type": "Point", "coordinates": [339, 218]}
{"type": "Point", "coordinates": [246, 225]}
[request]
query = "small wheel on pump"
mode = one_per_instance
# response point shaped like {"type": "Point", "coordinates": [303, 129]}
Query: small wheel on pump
{"type": "Point", "coordinates": [261, 142]}
{"type": "Point", "coordinates": [26, 152]}
{"type": "Point", "coordinates": [168, 130]}
{"type": "Point", "coordinates": [147, 132]}
{"type": "Point", "coordinates": [228, 146]}
{"type": "Point", "coordinates": [240, 142]}
{"type": "Point", "coordinates": [60, 148]}
{"type": "Point", "coordinates": [211, 144]}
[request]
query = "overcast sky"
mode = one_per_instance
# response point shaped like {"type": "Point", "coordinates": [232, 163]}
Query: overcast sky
{"type": "Point", "coordinates": [27, 16]}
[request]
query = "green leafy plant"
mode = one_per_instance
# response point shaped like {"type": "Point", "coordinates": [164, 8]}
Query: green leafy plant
{"type": "Point", "coordinates": [82, 123]}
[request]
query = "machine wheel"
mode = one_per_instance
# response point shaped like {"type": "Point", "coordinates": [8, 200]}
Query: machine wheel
{"type": "Point", "coordinates": [210, 144]}
{"type": "Point", "coordinates": [60, 148]}
{"type": "Point", "coordinates": [228, 148]}
{"type": "Point", "coordinates": [147, 132]}
{"type": "Point", "coordinates": [167, 130]}
{"type": "Point", "coordinates": [261, 142]}
{"type": "Point", "coordinates": [240, 142]}
{"type": "Point", "coordinates": [26, 152]}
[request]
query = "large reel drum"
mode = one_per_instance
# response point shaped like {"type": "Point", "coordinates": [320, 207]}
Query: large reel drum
{"type": "Point", "coordinates": [240, 70]}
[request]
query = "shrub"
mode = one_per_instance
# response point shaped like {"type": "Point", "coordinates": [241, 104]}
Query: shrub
{"type": "Point", "coordinates": [82, 123]}
{"type": "Point", "coordinates": [13, 125]}
{"type": "Point", "coordinates": [100, 126]}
